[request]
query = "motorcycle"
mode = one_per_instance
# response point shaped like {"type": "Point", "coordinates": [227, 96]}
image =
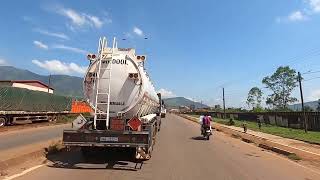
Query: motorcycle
{"type": "Point", "coordinates": [207, 133]}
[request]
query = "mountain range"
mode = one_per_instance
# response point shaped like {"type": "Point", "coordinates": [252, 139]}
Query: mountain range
{"type": "Point", "coordinates": [63, 84]}
{"type": "Point", "coordinates": [72, 86]}
{"type": "Point", "coordinates": [176, 102]}
{"type": "Point", "coordinates": [312, 104]}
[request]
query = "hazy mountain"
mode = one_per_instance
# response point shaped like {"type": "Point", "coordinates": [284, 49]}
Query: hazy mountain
{"type": "Point", "coordinates": [63, 84]}
{"type": "Point", "coordinates": [311, 104]}
{"type": "Point", "coordinates": [181, 101]}
{"type": "Point", "coordinates": [72, 86]}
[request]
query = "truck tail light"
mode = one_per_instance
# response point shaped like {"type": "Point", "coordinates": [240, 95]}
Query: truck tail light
{"type": "Point", "coordinates": [91, 57]}
{"type": "Point", "coordinates": [133, 76]}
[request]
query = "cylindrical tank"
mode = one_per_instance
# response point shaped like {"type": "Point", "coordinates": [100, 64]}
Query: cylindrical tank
{"type": "Point", "coordinates": [131, 91]}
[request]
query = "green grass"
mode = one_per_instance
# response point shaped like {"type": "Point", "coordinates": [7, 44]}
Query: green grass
{"type": "Point", "coordinates": [54, 148]}
{"type": "Point", "coordinates": [66, 118]}
{"type": "Point", "coordinates": [298, 134]}
{"type": "Point", "coordinates": [294, 157]}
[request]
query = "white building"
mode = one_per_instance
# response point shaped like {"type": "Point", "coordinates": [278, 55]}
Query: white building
{"type": "Point", "coordinates": [27, 84]}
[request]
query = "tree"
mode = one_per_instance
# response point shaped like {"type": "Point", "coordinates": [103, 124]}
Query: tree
{"type": "Point", "coordinates": [281, 83]}
{"type": "Point", "coordinates": [254, 98]}
{"type": "Point", "coordinates": [318, 107]}
{"type": "Point", "coordinates": [217, 107]}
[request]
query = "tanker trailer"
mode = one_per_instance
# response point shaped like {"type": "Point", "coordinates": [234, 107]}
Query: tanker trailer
{"type": "Point", "coordinates": [125, 103]}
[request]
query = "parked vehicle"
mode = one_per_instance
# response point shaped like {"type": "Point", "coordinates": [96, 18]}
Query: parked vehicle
{"type": "Point", "coordinates": [21, 106]}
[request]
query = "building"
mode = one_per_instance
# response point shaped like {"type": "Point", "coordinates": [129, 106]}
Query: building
{"type": "Point", "coordinates": [27, 84]}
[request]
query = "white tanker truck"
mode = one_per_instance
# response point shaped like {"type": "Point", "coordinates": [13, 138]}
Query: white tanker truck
{"type": "Point", "coordinates": [127, 109]}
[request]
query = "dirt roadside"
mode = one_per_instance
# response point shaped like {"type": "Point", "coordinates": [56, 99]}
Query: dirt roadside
{"type": "Point", "coordinates": [18, 159]}
{"type": "Point", "coordinates": [303, 157]}
{"type": "Point", "coordinates": [6, 129]}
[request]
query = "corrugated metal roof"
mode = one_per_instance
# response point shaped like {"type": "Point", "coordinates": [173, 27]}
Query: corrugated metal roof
{"type": "Point", "coordinates": [26, 81]}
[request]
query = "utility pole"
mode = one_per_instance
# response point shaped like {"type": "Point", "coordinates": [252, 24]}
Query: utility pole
{"type": "Point", "coordinates": [302, 104]}
{"type": "Point", "coordinates": [49, 83]}
{"type": "Point", "coordinates": [224, 104]}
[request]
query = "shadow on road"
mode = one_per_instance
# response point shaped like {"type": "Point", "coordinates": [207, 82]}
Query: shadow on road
{"type": "Point", "coordinates": [112, 158]}
{"type": "Point", "coordinates": [199, 138]}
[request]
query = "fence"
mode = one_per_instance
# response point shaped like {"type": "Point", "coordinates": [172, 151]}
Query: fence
{"type": "Point", "coordinates": [283, 119]}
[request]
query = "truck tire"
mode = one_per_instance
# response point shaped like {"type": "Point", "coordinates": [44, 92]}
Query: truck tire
{"type": "Point", "coordinates": [3, 121]}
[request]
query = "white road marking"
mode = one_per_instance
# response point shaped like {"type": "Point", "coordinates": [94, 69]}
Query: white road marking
{"type": "Point", "coordinates": [23, 173]}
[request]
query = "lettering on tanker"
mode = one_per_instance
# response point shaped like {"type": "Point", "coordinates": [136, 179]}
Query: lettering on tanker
{"type": "Point", "coordinates": [116, 61]}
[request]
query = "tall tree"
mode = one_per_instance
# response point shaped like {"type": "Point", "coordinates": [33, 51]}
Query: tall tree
{"type": "Point", "coordinates": [254, 97]}
{"type": "Point", "coordinates": [281, 83]}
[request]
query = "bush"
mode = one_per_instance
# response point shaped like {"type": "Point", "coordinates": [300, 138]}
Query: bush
{"type": "Point", "coordinates": [54, 148]}
{"type": "Point", "coordinates": [66, 118]}
{"type": "Point", "coordinates": [231, 122]}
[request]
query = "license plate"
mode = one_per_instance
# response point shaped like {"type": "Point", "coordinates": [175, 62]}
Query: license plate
{"type": "Point", "coordinates": [109, 139]}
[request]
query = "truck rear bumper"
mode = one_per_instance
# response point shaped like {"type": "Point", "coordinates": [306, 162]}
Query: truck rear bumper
{"type": "Point", "coordinates": [87, 144]}
{"type": "Point", "coordinates": [96, 138]}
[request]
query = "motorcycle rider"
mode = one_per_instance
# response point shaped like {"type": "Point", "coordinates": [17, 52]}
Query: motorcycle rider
{"type": "Point", "coordinates": [206, 123]}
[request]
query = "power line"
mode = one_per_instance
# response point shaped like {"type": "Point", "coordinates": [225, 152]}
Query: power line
{"type": "Point", "coordinates": [312, 78]}
{"type": "Point", "coordinates": [311, 72]}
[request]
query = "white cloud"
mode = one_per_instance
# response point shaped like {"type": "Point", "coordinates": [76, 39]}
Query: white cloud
{"type": "Point", "coordinates": [40, 45]}
{"type": "Point", "coordinates": [314, 95]}
{"type": "Point", "coordinates": [95, 21]}
{"type": "Point", "coordinates": [74, 16]}
{"type": "Point", "coordinates": [314, 5]}
{"type": "Point", "coordinates": [68, 48]}
{"type": "Point", "coordinates": [166, 93]}
{"type": "Point", "coordinates": [79, 19]}
{"type": "Point", "coordinates": [297, 16]}
{"type": "Point", "coordinates": [293, 17]}
{"type": "Point", "coordinates": [192, 99]}
{"type": "Point", "coordinates": [189, 98]}
{"type": "Point", "coordinates": [311, 7]}
{"type": "Point", "coordinates": [3, 62]}
{"type": "Point", "coordinates": [56, 66]}
{"type": "Point", "coordinates": [53, 34]}
{"type": "Point", "coordinates": [138, 31]}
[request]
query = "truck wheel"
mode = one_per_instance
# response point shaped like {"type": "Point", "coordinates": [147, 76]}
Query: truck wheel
{"type": "Point", "coordinates": [2, 121]}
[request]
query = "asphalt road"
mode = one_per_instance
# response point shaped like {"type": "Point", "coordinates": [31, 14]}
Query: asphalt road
{"type": "Point", "coordinates": [20, 138]}
{"type": "Point", "coordinates": [179, 154]}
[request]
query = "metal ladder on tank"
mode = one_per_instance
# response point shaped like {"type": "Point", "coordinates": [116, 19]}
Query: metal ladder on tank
{"type": "Point", "coordinates": [98, 114]}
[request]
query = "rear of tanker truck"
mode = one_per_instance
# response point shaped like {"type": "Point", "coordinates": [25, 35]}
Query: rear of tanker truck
{"type": "Point", "coordinates": [125, 104]}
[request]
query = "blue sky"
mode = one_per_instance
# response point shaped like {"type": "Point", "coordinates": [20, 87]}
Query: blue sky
{"type": "Point", "coordinates": [194, 47]}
